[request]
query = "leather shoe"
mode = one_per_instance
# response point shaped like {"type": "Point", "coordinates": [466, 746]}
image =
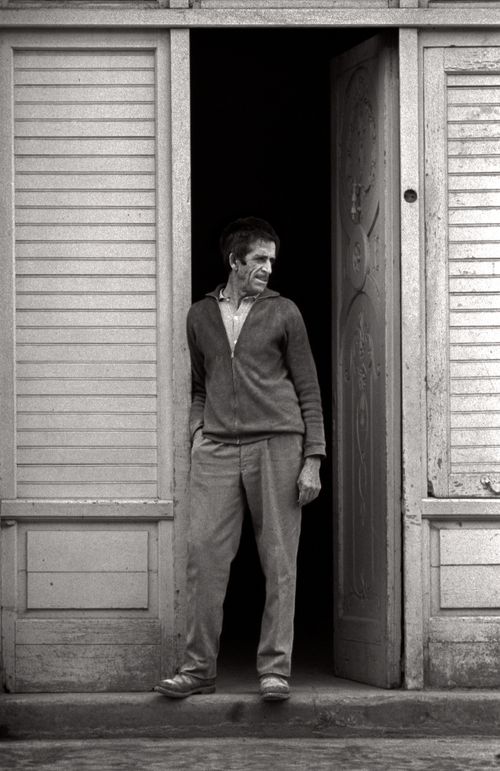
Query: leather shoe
{"type": "Point", "coordinates": [274, 688]}
{"type": "Point", "coordinates": [183, 685]}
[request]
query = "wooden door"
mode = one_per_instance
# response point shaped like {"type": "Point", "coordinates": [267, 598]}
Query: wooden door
{"type": "Point", "coordinates": [367, 625]}
{"type": "Point", "coordinates": [86, 344]}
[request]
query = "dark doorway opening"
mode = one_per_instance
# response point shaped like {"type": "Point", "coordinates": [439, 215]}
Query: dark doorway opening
{"type": "Point", "coordinates": [261, 146]}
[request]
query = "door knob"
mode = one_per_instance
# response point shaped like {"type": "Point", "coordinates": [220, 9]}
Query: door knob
{"type": "Point", "coordinates": [494, 487]}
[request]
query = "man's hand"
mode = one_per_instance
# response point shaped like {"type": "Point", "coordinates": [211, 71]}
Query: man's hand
{"type": "Point", "coordinates": [309, 483]}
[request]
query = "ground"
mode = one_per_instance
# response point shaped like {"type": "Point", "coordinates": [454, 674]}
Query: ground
{"type": "Point", "coordinates": [369, 754]}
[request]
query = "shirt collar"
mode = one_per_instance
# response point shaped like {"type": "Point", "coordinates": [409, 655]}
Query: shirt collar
{"type": "Point", "coordinates": [249, 298]}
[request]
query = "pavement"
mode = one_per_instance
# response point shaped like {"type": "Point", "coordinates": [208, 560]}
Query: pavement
{"type": "Point", "coordinates": [321, 707]}
{"type": "Point", "coordinates": [246, 754]}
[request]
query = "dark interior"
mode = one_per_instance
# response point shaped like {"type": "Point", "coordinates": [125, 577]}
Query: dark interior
{"type": "Point", "coordinates": [261, 146]}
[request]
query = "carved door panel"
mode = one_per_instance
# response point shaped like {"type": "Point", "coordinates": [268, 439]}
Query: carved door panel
{"type": "Point", "coordinates": [366, 453]}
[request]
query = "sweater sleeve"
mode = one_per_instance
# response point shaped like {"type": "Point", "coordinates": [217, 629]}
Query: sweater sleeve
{"type": "Point", "coordinates": [302, 369]}
{"type": "Point", "coordinates": [198, 393]}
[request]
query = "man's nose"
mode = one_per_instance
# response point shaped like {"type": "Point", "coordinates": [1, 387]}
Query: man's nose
{"type": "Point", "coordinates": [268, 266]}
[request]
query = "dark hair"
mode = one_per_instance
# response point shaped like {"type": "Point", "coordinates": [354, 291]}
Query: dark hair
{"type": "Point", "coordinates": [238, 237]}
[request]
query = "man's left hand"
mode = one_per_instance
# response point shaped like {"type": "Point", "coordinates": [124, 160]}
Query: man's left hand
{"type": "Point", "coordinates": [309, 483]}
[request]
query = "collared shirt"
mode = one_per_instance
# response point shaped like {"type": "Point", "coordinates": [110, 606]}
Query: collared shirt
{"type": "Point", "coordinates": [233, 317]}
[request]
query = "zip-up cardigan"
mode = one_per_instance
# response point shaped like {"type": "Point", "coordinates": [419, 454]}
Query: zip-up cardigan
{"type": "Point", "coordinates": [267, 386]}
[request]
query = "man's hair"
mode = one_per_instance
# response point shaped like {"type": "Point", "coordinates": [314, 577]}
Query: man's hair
{"type": "Point", "coordinates": [238, 237]}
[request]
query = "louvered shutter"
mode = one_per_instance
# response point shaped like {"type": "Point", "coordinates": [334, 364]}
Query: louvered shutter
{"type": "Point", "coordinates": [462, 115]}
{"type": "Point", "coordinates": [85, 273]}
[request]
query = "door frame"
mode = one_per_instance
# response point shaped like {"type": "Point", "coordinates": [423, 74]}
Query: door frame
{"type": "Point", "coordinates": [408, 19]}
{"type": "Point", "coordinates": [412, 383]}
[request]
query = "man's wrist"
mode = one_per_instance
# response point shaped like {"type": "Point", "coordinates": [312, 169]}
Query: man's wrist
{"type": "Point", "coordinates": [313, 460]}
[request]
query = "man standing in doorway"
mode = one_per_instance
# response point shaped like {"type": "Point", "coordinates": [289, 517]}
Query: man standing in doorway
{"type": "Point", "coordinates": [257, 439]}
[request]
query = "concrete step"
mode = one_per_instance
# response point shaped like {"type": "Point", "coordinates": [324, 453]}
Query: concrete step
{"type": "Point", "coordinates": [334, 709]}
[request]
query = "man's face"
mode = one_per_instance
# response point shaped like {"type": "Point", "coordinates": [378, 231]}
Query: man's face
{"type": "Point", "coordinates": [252, 275]}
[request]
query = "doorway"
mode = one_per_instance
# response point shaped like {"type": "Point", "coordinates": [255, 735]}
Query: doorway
{"type": "Point", "coordinates": [261, 146]}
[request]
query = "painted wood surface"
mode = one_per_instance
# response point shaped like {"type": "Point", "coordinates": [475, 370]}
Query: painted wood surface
{"type": "Point", "coordinates": [83, 599]}
{"type": "Point", "coordinates": [86, 551]}
{"type": "Point", "coordinates": [86, 668]}
{"type": "Point", "coordinates": [367, 622]}
{"type": "Point", "coordinates": [460, 665]}
{"type": "Point", "coordinates": [412, 356]}
{"type": "Point", "coordinates": [469, 547]}
{"type": "Point", "coordinates": [181, 280]}
{"type": "Point", "coordinates": [462, 597]}
{"type": "Point", "coordinates": [267, 4]}
{"type": "Point", "coordinates": [470, 586]}
{"type": "Point", "coordinates": [86, 591]}
{"type": "Point", "coordinates": [91, 129]}
{"type": "Point", "coordinates": [179, 16]}
{"type": "Point", "coordinates": [86, 273]}
{"type": "Point", "coordinates": [462, 162]}
{"type": "Point", "coordinates": [86, 569]}
{"type": "Point", "coordinates": [469, 574]}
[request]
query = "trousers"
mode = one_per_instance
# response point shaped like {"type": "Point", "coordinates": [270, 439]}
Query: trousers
{"type": "Point", "coordinates": [223, 479]}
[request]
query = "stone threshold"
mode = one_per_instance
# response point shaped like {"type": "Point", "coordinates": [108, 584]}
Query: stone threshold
{"type": "Point", "coordinates": [334, 710]}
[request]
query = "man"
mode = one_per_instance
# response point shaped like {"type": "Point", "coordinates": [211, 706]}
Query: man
{"type": "Point", "coordinates": [257, 439]}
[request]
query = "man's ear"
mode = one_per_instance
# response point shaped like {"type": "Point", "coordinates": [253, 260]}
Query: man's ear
{"type": "Point", "coordinates": [233, 262]}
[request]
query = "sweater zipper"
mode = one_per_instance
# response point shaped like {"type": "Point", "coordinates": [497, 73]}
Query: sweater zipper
{"type": "Point", "coordinates": [232, 350]}
{"type": "Point", "coordinates": [235, 402]}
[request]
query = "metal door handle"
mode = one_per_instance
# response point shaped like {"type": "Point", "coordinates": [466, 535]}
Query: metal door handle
{"type": "Point", "coordinates": [494, 487]}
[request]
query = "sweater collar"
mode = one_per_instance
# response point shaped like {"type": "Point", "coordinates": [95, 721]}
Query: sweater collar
{"type": "Point", "coordinates": [262, 296]}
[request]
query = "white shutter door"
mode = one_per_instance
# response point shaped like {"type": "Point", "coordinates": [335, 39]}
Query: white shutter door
{"type": "Point", "coordinates": [87, 547]}
{"type": "Point", "coordinates": [462, 113]}
{"type": "Point", "coordinates": [85, 274]}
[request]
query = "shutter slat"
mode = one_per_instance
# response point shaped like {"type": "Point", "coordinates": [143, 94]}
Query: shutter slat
{"type": "Point", "coordinates": [84, 284]}
{"type": "Point", "coordinates": [33, 76]}
{"type": "Point", "coordinates": [87, 438]}
{"type": "Point", "coordinates": [64, 165]}
{"type": "Point", "coordinates": [86, 386]}
{"type": "Point", "coordinates": [67, 59]}
{"type": "Point", "coordinates": [126, 182]}
{"type": "Point", "coordinates": [90, 129]}
{"type": "Point", "coordinates": [90, 267]}
{"type": "Point", "coordinates": [78, 335]}
{"type": "Point", "coordinates": [478, 182]}
{"type": "Point", "coordinates": [50, 456]}
{"type": "Point", "coordinates": [46, 318]}
{"type": "Point", "coordinates": [122, 199]}
{"type": "Point", "coordinates": [103, 301]}
{"type": "Point", "coordinates": [86, 421]}
{"type": "Point", "coordinates": [81, 473]}
{"type": "Point", "coordinates": [87, 490]}
{"type": "Point", "coordinates": [92, 353]}
{"type": "Point", "coordinates": [105, 111]}
{"type": "Point", "coordinates": [88, 371]}
{"type": "Point", "coordinates": [83, 94]}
